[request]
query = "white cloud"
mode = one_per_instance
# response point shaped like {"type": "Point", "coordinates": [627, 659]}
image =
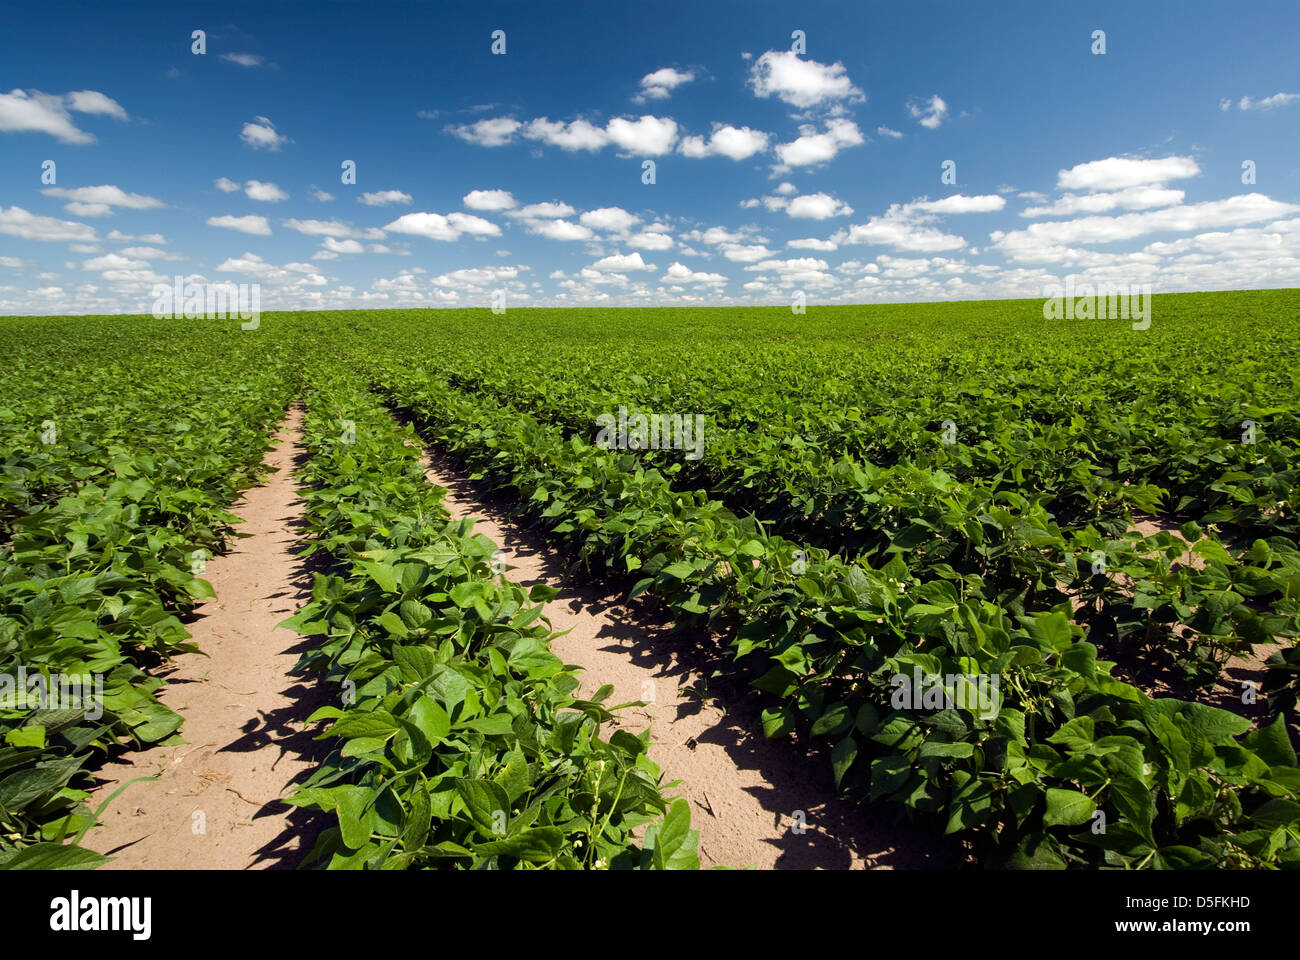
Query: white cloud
{"type": "Point", "coordinates": [92, 101]}
{"type": "Point", "coordinates": [98, 199]}
{"type": "Point", "coordinates": [644, 137]}
{"type": "Point", "coordinates": [1268, 103]}
{"type": "Point", "coordinates": [432, 225]}
{"type": "Point", "coordinates": [254, 225]}
{"type": "Point", "coordinates": [817, 206]}
{"type": "Point", "coordinates": [738, 143]}
{"type": "Point", "coordinates": [141, 238]}
{"type": "Point", "coordinates": [114, 261]}
{"type": "Point", "coordinates": [488, 200]}
{"type": "Point", "coordinates": [226, 185]}
{"type": "Point", "coordinates": [559, 230]}
{"type": "Point", "coordinates": [903, 227]}
{"type": "Point", "coordinates": [680, 273]}
{"type": "Point", "coordinates": [812, 243]}
{"type": "Point", "coordinates": [813, 147]}
{"type": "Point", "coordinates": [577, 135]}
{"type": "Point", "coordinates": [149, 253]}
{"type": "Point", "coordinates": [476, 226]}
{"type": "Point", "coordinates": [929, 113]}
{"type": "Point", "coordinates": [40, 112]}
{"type": "Point", "coordinates": [382, 198]}
{"type": "Point", "coordinates": [79, 209]}
{"type": "Point", "coordinates": [265, 192]}
{"type": "Point", "coordinates": [543, 211]}
{"type": "Point", "coordinates": [262, 135]}
{"type": "Point", "coordinates": [1117, 173]}
{"type": "Point", "coordinates": [34, 111]}
{"type": "Point", "coordinates": [744, 253]}
{"type": "Point", "coordinates": [611, 219]}
{"type": "Point", "coordinates": [492, 132]}
{"type": "Point", "coordinates": [958, 203]}
{"type": "Point", "coordinates": [800, 83]}
{"type": "Point", "coordinates": [1131, 198]}
{"type": "Point", "coordinates": [1047, 241]}
{"type": "Point", "coordinates": [243, 59]}
{"type": "Point", "coordinates": [343, 246]}
{"type": "Point", "coordinates": [17, 222]}
{"type": "Point", "coordinates": [887, 132]}
{"type": "Point", "coordinates": [660, 84]}
{"type": "Point", "coordinates": [622, 263]}
{"type": "Point", "coordinates": [320, 195]}
{"type": "Point", "coordinates": [650, 240]}
{"type": "Point", "coordinates": [321, 228]}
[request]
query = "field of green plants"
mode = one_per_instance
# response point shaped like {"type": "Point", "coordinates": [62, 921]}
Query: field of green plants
{"type": "Point", "coordinates": [1100, 520]}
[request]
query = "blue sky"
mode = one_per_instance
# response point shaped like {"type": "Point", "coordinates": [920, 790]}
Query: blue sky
{"type": "Point", "coordinates": [777, 170]}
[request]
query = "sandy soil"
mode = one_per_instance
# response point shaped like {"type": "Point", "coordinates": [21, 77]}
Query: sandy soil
{"type": "Point", "coordinates": [215, 804]}
{"type": "Point", "coordinates": [744, 790]}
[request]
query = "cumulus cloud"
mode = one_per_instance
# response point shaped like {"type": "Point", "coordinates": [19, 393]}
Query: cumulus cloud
{"type": "Point", "coordinates": [928, 113]}
{"type": "Point", "coordinates": [622, 263]}
{"type": "Point", "coordinates": [611, 219]}
{"type": "Point", "coordinates": [887, 132]}
{"type": "Point", "coordinates": [650, 240]}
{"type": "Point", "coordinates": [18, 223]}
{"type": "Point", "coordinates": [660, 84]}
{"type": "Point", "coordinates": [646, 136]}
{"type": "Point", "coordinates": [265, 192]}
{"type": "Point", "coordinates": [817, 206]}
{"type": "Point", "coordinates": [260, 134]}
{"type": "Point", "coordinates": [321, 228]}
{"type": "Point", "coordinates": [1132, 198]}
{"type": "Point", "coordinates": [121, 237]}
{"type": "Point", "coordinates": [800, 83]}
{"type": "Point", "coordinates": [383, 198]}
{"type": "Point", "coordinates": [250, 224]}
{"type": "Point", "coordinates": [543, 211]}
{"type": "Point", "coordinates": [738, 143]}
{"type": "Point", "coordinates": [489, 200]}
{"type": "Point", "coordinates": [34, 111]}
{"type": "Point", "coordinates": [1265, 103]}
{"type": "Point", "coordinates": [475, 226]}
{"type": "Point", "coordinates": [576, 135]}
{"type": "Point", "coordinates": [812, 147]}
{"type": "Point", "coordinates": [435, 226]}
{"type": "Point", "coordinates": [226, 185]}
{"type": "Point", "coordinates": [680, 273]}
{"type": "Point", "coordinates": [559, 230]}
{"type": "Point", "coordinates": [100, 201]}
{"type": "Point", "coordinates": [1049, 240]}
{"type": "Point", "coordinates": [1117, 173]}
{"type": "Point", "coordinates": [491, 132]}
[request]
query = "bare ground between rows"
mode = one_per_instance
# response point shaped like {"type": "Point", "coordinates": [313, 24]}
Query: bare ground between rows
{"type": "Point", "coordinates": [217, 802]}
{"type": "Point", "coordinates": [746, 792]}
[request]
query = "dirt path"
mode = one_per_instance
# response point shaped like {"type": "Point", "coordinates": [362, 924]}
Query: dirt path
{"type": "Point", "coordinates": [215, 805]}
{"type": "Point", "coordinates": [745, 790]}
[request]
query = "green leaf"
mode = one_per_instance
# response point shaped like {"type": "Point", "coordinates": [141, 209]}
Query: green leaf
{"type": "Point", "coordinates": [55, 856]}
{"type": "Point", "coordinates": [536, 844]}
{"type": "Point", "coordinates": [1067, 808]}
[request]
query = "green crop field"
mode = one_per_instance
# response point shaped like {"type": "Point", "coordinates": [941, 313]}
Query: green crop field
{"type": "Point", "coordinates": [1035, 583]}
